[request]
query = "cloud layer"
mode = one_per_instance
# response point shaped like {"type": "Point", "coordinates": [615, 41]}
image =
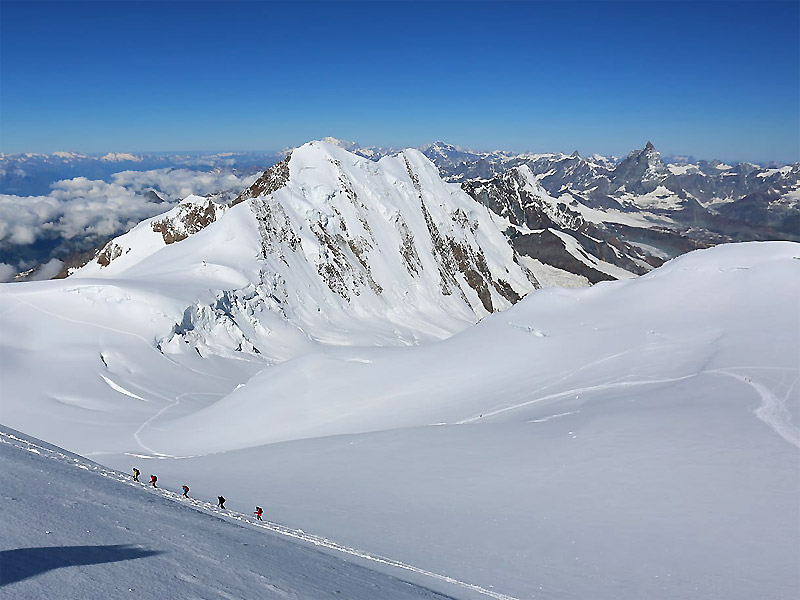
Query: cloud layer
{"type": "Point", "coordinates": [81, 207]}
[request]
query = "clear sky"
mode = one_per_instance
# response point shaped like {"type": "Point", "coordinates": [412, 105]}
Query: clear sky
{"type": "Point", "coordinates": [712, 79]}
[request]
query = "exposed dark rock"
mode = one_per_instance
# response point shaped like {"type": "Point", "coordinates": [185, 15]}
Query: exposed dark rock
{"type": "Point", "coordinates": [518, 197]}
{"type": "Point", "coordinates": [274, 227]}
{"type": "Point", "coordinates": [108, 254]}
{"type": "Point", "coordinates": [75, 261]}
{"type": "Point", "coordinates": [190, 219]}
{"type": "Point", "coordinates": [152, 196]}
{"type": "Point", "coordinates": [270, 181]}
{"type": "Point", "coordinates": [550, 249]}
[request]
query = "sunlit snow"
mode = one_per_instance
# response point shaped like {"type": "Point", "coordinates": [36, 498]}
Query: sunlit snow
{"type": "Point", "coordinates": [635, 439]}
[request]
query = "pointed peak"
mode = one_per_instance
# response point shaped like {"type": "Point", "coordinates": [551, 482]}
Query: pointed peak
{"type": "Point", "coordinates": [649, 146]}
{"type": "Point", "coordinates": [576, 154]}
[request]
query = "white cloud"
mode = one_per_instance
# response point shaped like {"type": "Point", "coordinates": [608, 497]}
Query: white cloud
{"type": "Point", "coordinates": [7, 272]}
{"type": "Point", "coordinates": [22, 218]}
{"type": "Point", "coordinates": [179, 183]}
{"type": "Point", "coordinates": [48, 270]}
{"type": "Point", "coordinates": [79, 207]}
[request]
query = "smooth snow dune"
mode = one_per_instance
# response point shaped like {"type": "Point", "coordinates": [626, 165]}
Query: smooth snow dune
{"type": "Point", "coordinates": [727, 310]}
{"type": "Point", "coordinates": [637, 439]}
{"type": "Point", "coordinates": [671, 470]}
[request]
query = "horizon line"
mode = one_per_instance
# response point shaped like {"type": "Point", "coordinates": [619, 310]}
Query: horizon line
{"type": "Point", "coordinates": [198, 152]}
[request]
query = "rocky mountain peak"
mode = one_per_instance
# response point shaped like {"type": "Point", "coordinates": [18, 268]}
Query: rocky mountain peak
{"type": "Point", "coordinates": [641, 171]}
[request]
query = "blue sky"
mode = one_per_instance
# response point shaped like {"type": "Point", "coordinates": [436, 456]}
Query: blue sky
{"type": "Point", "coordinates": [714, 79]}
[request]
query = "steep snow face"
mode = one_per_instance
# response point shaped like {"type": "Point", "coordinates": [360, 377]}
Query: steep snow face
{"type": "Point", "coordinates": [368, 227]}
{"type": "Point", "coordinates": [76, 530]}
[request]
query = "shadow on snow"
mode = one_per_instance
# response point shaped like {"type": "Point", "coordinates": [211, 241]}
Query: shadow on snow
{"type": "Point", "coordinates": [22, 563]}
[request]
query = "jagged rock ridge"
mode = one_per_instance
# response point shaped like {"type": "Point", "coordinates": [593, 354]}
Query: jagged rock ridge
{"type": "Point", "coordinates": [531, 217]}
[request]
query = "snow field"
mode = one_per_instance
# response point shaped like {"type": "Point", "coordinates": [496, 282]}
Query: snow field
{"type": "Point", "coordinates": [103, 507]}
{"type": "Point", "coordinates": [636, 439]}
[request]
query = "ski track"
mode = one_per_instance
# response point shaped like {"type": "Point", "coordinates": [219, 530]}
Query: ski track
{"type": "Point", "coordinates": [172, 404]}
{"type": "Point", "coordinates": [592, 388]}
{"type": "Point", "coordinates": [240, 518]}
{"type": "Point", "coordinates": [773, 409]}
{"type": "Point", "coordinates": [551, 417]}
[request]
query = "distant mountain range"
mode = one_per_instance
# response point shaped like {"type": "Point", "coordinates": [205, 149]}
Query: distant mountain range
{"type": "Point", "coordinates": [572, 220]}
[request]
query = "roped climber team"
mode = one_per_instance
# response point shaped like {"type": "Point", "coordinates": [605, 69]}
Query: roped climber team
{"type": "Point", "coordinates": [220, 499]}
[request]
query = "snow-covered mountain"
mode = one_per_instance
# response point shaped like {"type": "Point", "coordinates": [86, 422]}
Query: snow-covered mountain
{"type": "Point", "coordinates": [554, 234]}
{"type": "Point", "coordinates": [679, 207]}
{"type": "Point", "coordinates": [68, 223]}
{"type": "Point", "coordinates": [325, 240]}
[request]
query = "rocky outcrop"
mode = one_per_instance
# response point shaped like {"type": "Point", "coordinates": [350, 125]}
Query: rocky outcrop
{"type": "Point", "coordinates": [110, 252]}
{"type": "Point", "coordinates": [191, 217]}
{"type": "Point", "coordinates": [270, 181]}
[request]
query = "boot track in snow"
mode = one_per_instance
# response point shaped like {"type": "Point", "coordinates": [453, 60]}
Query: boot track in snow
{"type": "Point", "coordinates": [239, 518]}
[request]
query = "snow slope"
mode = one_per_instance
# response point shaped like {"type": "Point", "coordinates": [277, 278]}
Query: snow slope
{"type": "Point", "coordinates": [77, 530]}
{"type": "Point", "coordinates": [637, 439]}
{"type": "Point", "coordinates": [189, 305]}
{"type": "Point", "coordinates": [634, 439]}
